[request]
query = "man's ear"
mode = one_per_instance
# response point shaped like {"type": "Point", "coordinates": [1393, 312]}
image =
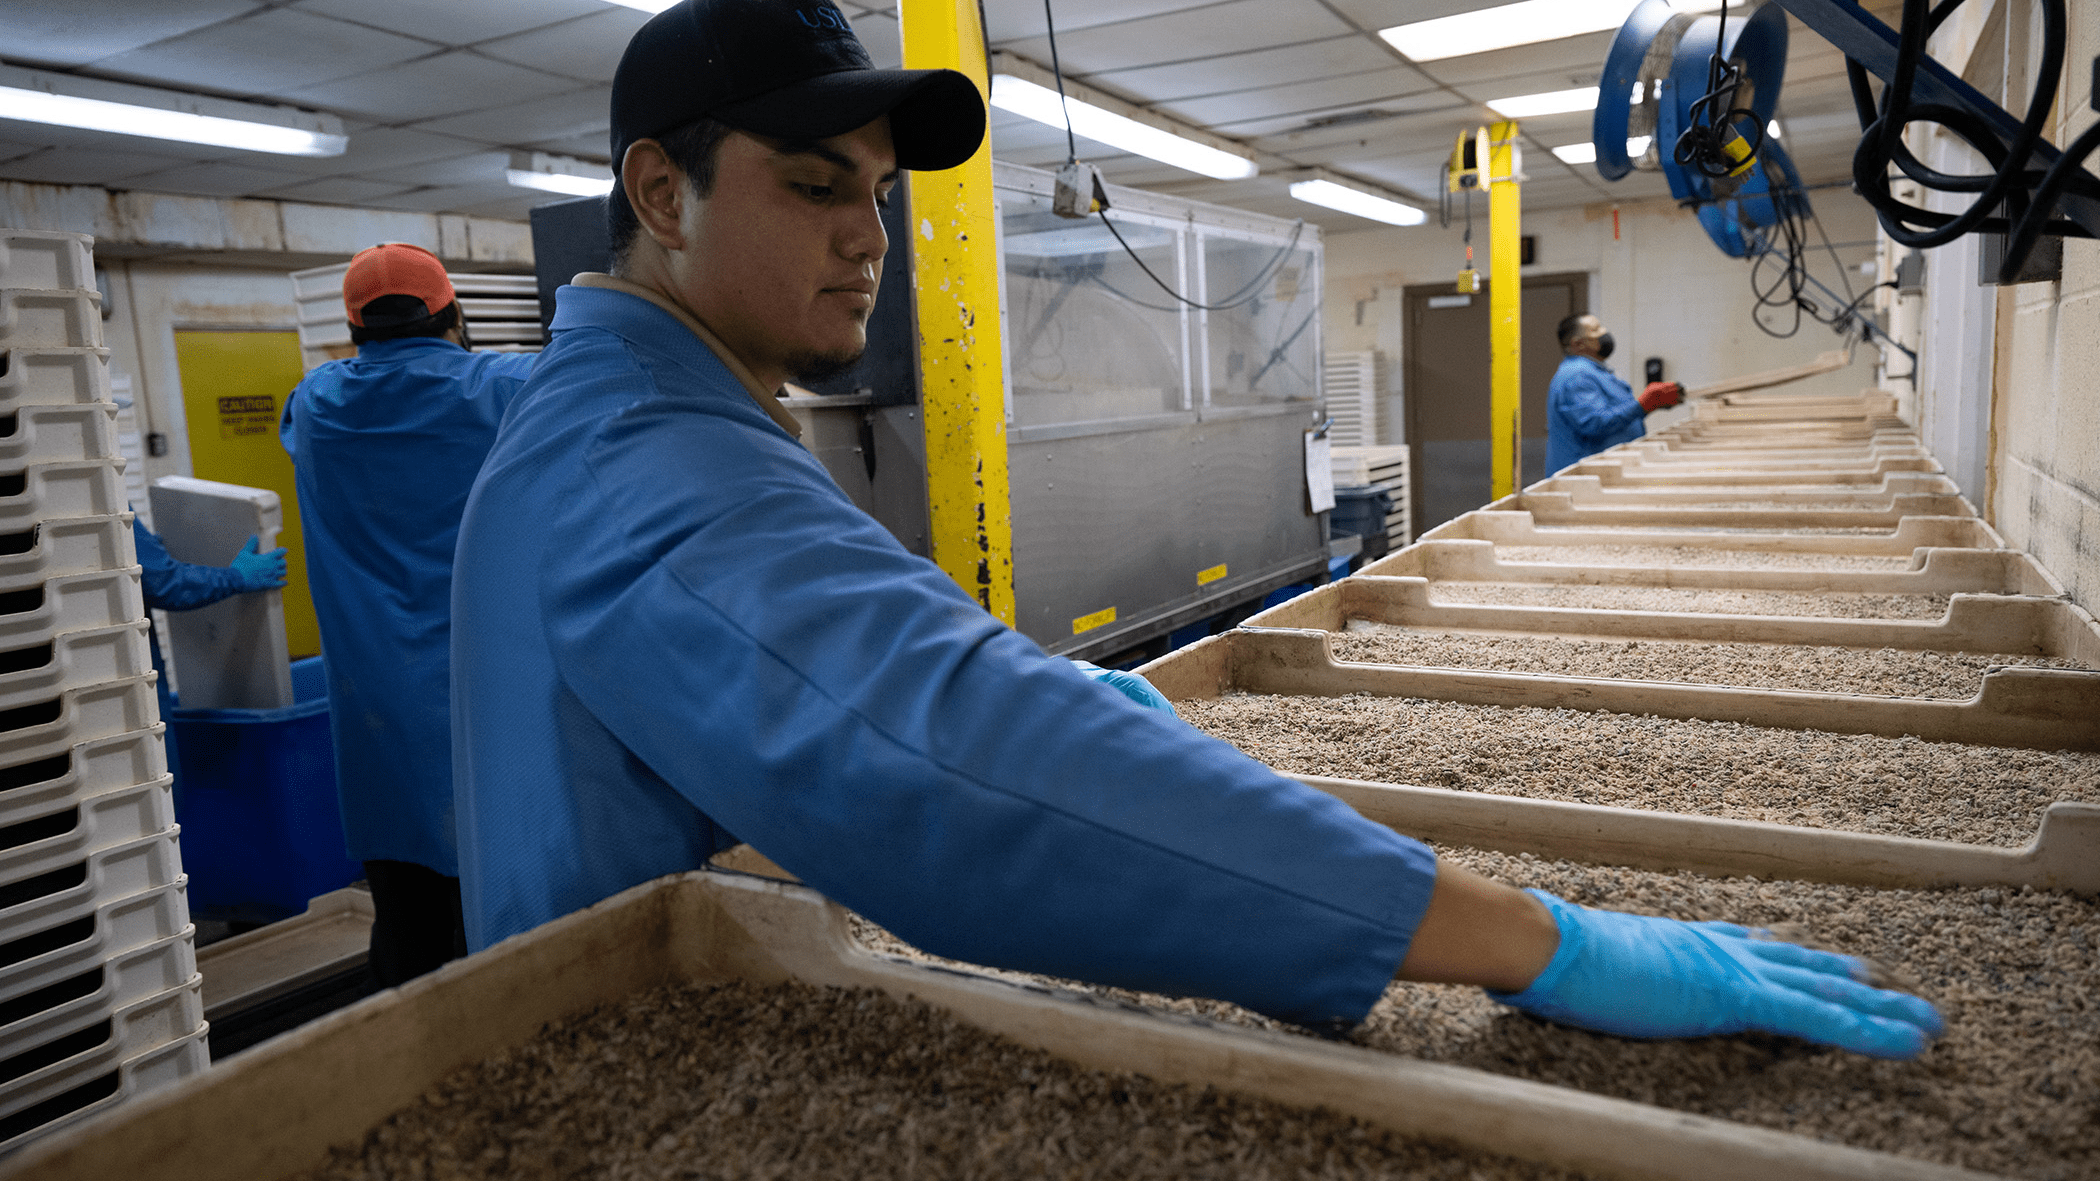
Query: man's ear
{"type": "Point", "coordinates": [655, 188]}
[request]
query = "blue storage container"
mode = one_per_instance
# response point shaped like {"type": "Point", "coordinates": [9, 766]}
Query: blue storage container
{"type": "Point", "coordinates": [262, 832]}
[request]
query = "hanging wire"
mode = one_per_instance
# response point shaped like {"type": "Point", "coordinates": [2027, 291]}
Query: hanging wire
{"type": "Point", "coordinates": [1245, 295]}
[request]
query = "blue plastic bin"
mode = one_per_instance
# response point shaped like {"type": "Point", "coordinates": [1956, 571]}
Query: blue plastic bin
{"type": "Point", "coordinates": [255, 794]}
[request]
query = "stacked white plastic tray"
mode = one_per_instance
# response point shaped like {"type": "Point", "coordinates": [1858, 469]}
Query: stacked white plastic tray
{"type": "Point", "coordinates": [502, 312]}
{"type": "Point", "coordinates": [99, 993]}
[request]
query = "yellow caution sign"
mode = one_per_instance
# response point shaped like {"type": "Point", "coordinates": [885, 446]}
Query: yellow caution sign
{"type": "Point", "coordinates": [1206, 577]}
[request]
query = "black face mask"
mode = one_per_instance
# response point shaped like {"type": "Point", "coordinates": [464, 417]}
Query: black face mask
{"type": "Point", "coordinates": [1605, 344]}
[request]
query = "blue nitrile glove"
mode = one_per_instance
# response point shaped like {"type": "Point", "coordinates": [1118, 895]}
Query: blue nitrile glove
{"type": "Point", "coordinates": [259, 571]}
{"type": "Point", "coordinates": [1638, 976]}
{"type": "Point", "coordinates": [1131, 685]}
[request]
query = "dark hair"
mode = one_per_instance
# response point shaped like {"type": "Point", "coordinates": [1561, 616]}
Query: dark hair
{"type": "Point", "coordinates": [1570, 328]}
{"type": "Point", "coordinates": [692, 149]}
{"type": "Point", "coordinates": [402, 316]}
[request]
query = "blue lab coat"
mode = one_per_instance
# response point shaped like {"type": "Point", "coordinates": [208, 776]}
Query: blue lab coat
{"type": "Point", "coordinates": [386, 445]}
{"type": "Point", "coordinates": [672, 631]}
{"type": "Point", "coordinates": [1587, 410]}
{"type": "Point", "coordinates": [170, 584]}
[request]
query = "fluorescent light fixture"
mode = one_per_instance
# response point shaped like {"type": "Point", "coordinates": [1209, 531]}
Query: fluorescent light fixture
{"type": "Point", "coordinates": [1358, 202]}
{"type": "Point", "coordinates": [1515, 24]}
{"type": "Point", "coordinates": [557, 174]}
{"type": "Point", "coordinates": [1772, 129]}
{"type": "Point", "coordinates": [645, 5]}
{"type": "Point", "coordinates": [1552, 102]}
{"type": "Point", "coordinates": [34, 97]}
{"type": "Point", "coordinates": [1586, 151]}
{"type": "Point", "coordinates": [1040, 103]}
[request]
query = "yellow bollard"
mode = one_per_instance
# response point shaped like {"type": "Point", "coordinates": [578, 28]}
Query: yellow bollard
{"type": "Point", "coordinates": [955, 277]}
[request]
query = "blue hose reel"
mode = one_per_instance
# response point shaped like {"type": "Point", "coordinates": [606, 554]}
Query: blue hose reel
{"type": "Point", "coordinates": [1656, 70]}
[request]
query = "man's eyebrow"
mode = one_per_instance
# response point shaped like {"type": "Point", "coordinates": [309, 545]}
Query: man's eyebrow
{"type": "Point", "coordinates": [837, 159]}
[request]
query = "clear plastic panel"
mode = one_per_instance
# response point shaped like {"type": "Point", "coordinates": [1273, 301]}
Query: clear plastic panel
{"type": "Point", "coordinates": [1264, 348]}
{"type": "Point", "coordinates": [1089, 336]}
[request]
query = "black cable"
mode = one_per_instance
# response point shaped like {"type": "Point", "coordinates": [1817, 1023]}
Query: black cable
{"type": "Point", "coordinates": [1057, 71]}
{"type": "Point", "coordinates": [1245, 295]}
{"type": "Point", "coordinates": [1250, 292]}
{"type": "Point", "coordinates": [1712, 117]}
{"type": "Point", "coordinates": [2017, 197]}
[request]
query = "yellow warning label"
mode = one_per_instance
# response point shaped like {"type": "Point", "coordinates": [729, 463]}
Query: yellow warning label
{"type": "Point", "coordinates": [1087, 623]}
{"type": "Point", "coordinates": [253, 415]}
{"type": "Point", "coordinates": [1206, 577]}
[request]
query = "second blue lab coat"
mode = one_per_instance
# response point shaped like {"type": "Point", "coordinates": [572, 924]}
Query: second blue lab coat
{"type": "Point", "coordinates": [387, 445]}
{"type": "Point", "coordinates": [1587, 410]}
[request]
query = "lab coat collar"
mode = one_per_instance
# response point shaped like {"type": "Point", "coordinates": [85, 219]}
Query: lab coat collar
{"type": "Point", "coordinates": [767, 401]}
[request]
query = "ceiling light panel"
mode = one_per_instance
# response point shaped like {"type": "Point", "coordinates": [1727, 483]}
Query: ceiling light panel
{"type": "Point", "coordinates": [1526, 23]}
{"type": "Point", "coordinates": [1552, 102]}
{"type": "Point", "coordinates": [558, 174]}
{"type": "Point", "coordinates": [31, 96]}
{"type": "Point", "coordinates": [1351, 200]}
{"type": "Point", "coordinates": [1041, 104]}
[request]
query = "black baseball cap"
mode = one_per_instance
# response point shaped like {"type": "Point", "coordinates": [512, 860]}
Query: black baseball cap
{"type": "Point", "coordinates": [791, 69]}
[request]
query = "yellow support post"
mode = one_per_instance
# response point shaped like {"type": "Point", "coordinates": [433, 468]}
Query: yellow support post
{"type": "Point", "coordinates": [1505, 309]}
{"type": "Point", "coordinates": [955, 275]}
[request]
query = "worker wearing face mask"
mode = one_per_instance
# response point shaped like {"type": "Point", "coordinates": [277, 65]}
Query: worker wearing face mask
{"type": "Point", "coordinates": [1587, 407]}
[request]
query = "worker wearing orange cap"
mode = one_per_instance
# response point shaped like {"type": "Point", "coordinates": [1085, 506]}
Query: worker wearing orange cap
{"type": "Point", "coordinates": [387, 445]}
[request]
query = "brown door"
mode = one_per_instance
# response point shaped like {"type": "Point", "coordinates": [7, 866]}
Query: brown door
{"type": "Point", "coordinates": [1445, 355]}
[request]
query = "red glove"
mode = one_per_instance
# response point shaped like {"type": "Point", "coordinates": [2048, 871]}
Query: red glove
{"type": "Point", "coordinates": [1660, 394]}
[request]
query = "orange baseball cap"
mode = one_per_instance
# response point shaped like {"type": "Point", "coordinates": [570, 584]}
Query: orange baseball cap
{"type": "Point", "coordinates": [395, 268]}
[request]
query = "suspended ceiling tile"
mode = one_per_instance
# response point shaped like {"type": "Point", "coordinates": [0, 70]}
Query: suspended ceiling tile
{"type": "Point", "coordinates": [372, 150]}
{"type": "Point", "coordinates": [588, 47]}
{"type": "Point", "coordinates": [1487, 90]}
{"type": "Point", "coordinates": [76, 32]}
{"type": "Point", "coordinates": [457, 81]}
{"type": "Point", "coordinates": [470, 169]}
{"type": "Point", "coordinates": [334, 190]}
{"type": "Point", "coordinates": [453, 22]}
{"type": "Point", "coordinates": [1578, 59]}
{"type": "Point", "coordinates": [1281, 66]}
{"type": "Point", "coordinates": [584, 112]}
{"type": "Point", "coordinates": [267, 52]}
{"type": "Point", "coordinates": [1438, 116]}
{"type": "Point", "coordinates": [449, 198]}
{"type": "Point", "coordinates": [1218, 30]}
{"type": "Point", "coordinates": [594, 146]}
{"type": "Point", "coordinates": [215, 180]}
{"type": "Point", "coordinates": [84, 166]}
{"type": "Point", "coordinates": [1008, 21]}
{"type": "Point", "coordinates": [1273, 107]}
{"type": "Point", "coordinates": [1382, 14]}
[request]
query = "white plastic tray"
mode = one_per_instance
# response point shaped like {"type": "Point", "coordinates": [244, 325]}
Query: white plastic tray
{"type": "Point", "coordinates": [73, 545]}
{"type": "Point", "coordinates": [90, 488]}
{"type": "Point", "coordinates": [80, 715]}
{"type": "Point", "coordinates": [46, 258]}
{"type": "Point", "coordinates": [77, 602]}
{"type": "Point", "coordinates": [88, 769]}
{"type": "Point", "coordinates": [153, 1070]}
{"type": "Point", "coordinates": [119, 925]}
{"type": "Point", "coordinates": [50, 434]}
{"type": "Point", "coordinates": [124, 979]}
{"type": "Point", "coordinates": [50, 319]}
{"type": "Point", "coordinates": [120, 871]}
{"type": "Point", "coordinates": [90, 656]}
{"type": "Point", "coordinates": [53, 376]}
{"type": "Point", "coordinates": [142, 1026]}
{"type": "Point", "coordinates": [115, 817]}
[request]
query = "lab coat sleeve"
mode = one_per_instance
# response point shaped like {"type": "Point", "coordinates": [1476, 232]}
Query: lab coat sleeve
{"type": "Point", "coordinates": [1592, 403]}
{"type": "Point", "coordinates": [773, 654]}
{"type": "Point", "coordinates": [172, 585]}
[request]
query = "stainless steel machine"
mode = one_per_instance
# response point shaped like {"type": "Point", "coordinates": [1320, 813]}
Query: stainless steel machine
{"type": "Point", "coordinates": [1157, 451]}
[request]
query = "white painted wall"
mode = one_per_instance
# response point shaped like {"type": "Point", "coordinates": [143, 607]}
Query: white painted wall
{"type": "Point", "coordinates": [1661, 286]}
